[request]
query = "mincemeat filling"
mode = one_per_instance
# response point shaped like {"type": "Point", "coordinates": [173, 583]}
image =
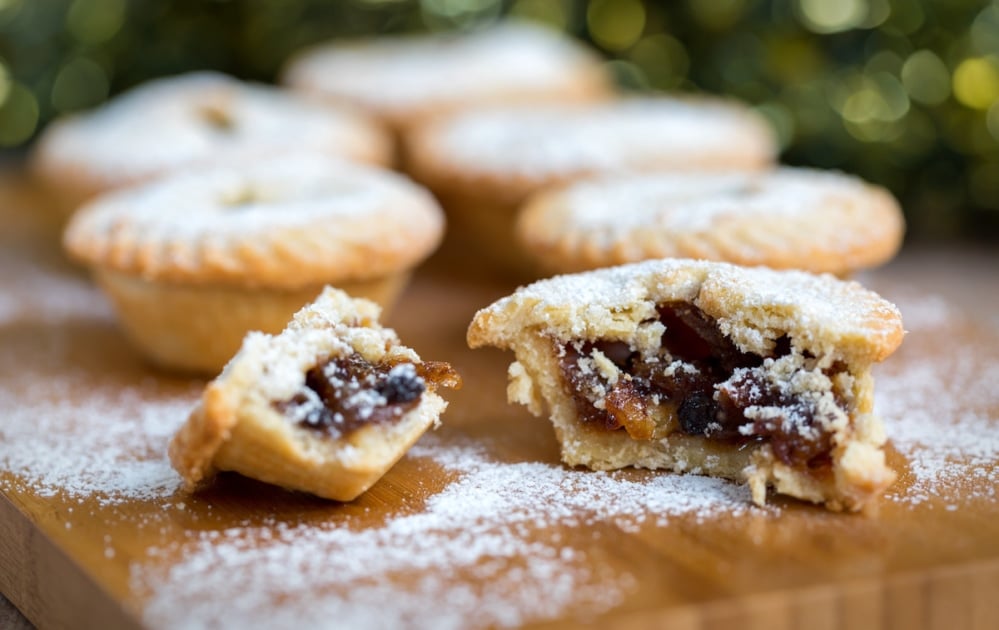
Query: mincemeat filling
{"type": "Point", "coordinates": [345, 393]}
{"type": "Point", "coordinates": [700, 383]}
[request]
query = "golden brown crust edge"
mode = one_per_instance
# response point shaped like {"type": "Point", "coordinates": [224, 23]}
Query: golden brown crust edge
{"type": "Point", "coordinates": [545, 232]}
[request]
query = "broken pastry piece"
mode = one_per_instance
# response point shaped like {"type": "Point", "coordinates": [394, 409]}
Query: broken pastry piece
{"type": "Point", "coordinates": [704, 367]}
{"type": "Point", "coordinates": [327, 406]}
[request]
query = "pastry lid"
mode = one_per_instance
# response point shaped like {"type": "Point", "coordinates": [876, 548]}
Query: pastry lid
{"type": "Point", "coordinates": [786, 218]}
{"type": "Point", "coordinates": [533, 146]}
{"type": "Point", "coordinates": [201, 118]}
{"type": "Point", "coordinates": [753, 306]}
{"type": "Point", "coordinates": [286, 222]}
{"type": "Point", "coordinates": [411, 76]}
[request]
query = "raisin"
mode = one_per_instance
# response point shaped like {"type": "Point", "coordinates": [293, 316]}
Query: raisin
{"type": "Point", "coordinates": [401, 385]}
{"type": "Point", "coordinates": [697, 412]}
{"type": "Point", "coordinates": [352, 392]}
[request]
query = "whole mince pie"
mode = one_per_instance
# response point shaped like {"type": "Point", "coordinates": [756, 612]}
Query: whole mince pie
{"type": "Point", "coordinates": [192, 121]}
{"type": "Point", "coordinates": [706, 367]}
{"type": "Point", "coordinates": [780, 218]}
{"type": "Point", "coordinates": [327, 406]}
{"type": "Point", "coordinates": [195, 260]}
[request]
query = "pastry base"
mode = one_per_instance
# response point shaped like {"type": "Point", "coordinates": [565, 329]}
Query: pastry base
{"type": "Point", "coordinates": [480, 237]}
{"type": "Point", "coordinates": [263, 445]}
{"type": "Point", "coordinates": [197, 329]}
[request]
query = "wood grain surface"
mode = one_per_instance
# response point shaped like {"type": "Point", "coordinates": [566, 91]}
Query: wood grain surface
{"type": "Point", "coordinates": [71, 560]}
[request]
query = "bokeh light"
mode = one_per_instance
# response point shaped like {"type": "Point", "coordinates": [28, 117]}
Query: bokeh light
{"type": "Point", "coordinates": [18, 115]}
{"type": "Point", "coordinates": [823, 16]}
{"type": "Point", "coordinates": [926, 78]}
{"type": "Point", "coordinates": [976, 82]}
{"type": "Point", "coordinates": [615, 24]}
{"type": "Point", "coordinates": [901, 92]}
{"type": "Point", "coordinates": [80, 83]}
{"type": "Point", "coordinates": [95, 21]}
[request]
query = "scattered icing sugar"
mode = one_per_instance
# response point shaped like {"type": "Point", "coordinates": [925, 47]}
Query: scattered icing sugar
{"type": "Point", "coordinates": [514, 533]}
{"type": "Point", "coordinates": [67, 436]}
{"type": "Point", "coordinates": [64, 431]}
{"type": "Point", "coordinates": [493, 526]}
{"type": "Point", "coordinates": [939, 410]}
{"type": "Point", "coordinates": [545, 141]}
{"type": "Point", "coordinates": [37, 294]}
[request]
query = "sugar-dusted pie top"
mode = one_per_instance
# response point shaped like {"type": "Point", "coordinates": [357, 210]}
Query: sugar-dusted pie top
{"type": "Point", "coordinates": [754, 306]}
{"type": "Point", "coordinates": [197, 119]}
{"type": "Point", "coordinates": [409, 76]}
{"type": "Point", "coordinates": [287, 222]}
{"type": "Point", "coordinates": [554, 142]}
{"type": "Point", "coordinates": [788, 218]}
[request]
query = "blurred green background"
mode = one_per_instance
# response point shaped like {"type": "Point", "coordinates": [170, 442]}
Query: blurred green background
{"type": "Point", "coordinates": [901, 92]}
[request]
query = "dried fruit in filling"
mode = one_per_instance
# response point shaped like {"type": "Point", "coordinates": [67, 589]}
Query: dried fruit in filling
{"type": "Point", "coordinates": [694, 366]}
{"type": "Point", "coordinates": [342, 394]}
{"type": "Point", "coordinates": [699, 383]}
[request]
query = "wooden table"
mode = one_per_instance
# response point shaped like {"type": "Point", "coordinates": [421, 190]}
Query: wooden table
{"type": "Point", "coordinates": [479, 525]}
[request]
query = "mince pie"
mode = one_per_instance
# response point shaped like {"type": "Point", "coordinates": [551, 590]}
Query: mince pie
{"type": "Point", "coordinates": [788, 218]}
{"type": "Point", "coordinates": [483, 165]}
{"type": "Point", "coordinates": [193, 262]}
{"type": "Point", "coordinates": [704, 367]}
{"type": "Point", "coordinates": [193, 121]}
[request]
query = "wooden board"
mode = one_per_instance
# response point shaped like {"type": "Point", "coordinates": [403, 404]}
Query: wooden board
{"type": "Point", "coordinates": [528, 543]}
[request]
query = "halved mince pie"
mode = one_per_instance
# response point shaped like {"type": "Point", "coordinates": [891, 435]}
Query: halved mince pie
{"type": "Point", "coordinates": [705, 367]}
{"type": "Point", "coordinates": [327, 406]}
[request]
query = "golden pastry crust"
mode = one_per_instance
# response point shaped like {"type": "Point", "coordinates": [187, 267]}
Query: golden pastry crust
{"type": "Point", "coordinates": [193, 120]}
{"type": "Point", "coordinates": [787, 218]}
{"type": "Point", "coordinates": [197, 328]}
{"type": "Point", "coordinates": [407, 79]}
{"type": "Point", "coordinates": [245, 421]}
{"type": "Point", "coordinates": [295, 221]}
{"type": "Point", "coordinates": [799, 346]}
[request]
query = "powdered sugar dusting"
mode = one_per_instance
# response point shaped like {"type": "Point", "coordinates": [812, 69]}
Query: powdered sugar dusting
{"type": "Point", "coordinates": [33, 293]}
{"type": "Point", "coordinates": [107, 445]}
{"type": "Point", "coordinates": [67, 430]}
{"type": "Point", "coordinates": [541, 142]}
{"type": "Point", "coordinates": [941, 409]}
{"type": "Point", "coordinates": [672, 203]}
{"type": "Point", "coordinates": [197, 119]}
{"type": "Point", "coordinates": [68, 433]}
{"type": "Point", "coordinates": [494, 526]}
{"type": "Point", "coordinates": [501, 543]}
